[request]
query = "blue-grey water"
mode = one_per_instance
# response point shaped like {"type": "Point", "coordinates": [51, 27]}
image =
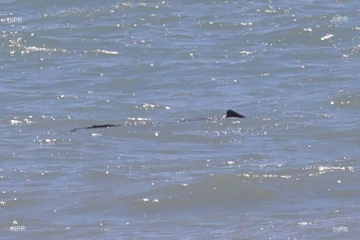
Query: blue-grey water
{"type": "Point", "coordinates": [289, 170]}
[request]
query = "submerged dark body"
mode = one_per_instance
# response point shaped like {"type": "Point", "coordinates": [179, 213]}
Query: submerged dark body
{"type": "Point", "coordinates": [229, 114]}
{"type": "Point", "coordinates": [96, 126]}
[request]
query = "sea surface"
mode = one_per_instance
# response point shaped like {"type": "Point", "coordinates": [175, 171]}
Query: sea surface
{"type": "Point", "coordinates": [167, 71]}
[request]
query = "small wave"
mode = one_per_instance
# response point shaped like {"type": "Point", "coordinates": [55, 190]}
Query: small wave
{"type": "Point", "coordinates": [101, 51]}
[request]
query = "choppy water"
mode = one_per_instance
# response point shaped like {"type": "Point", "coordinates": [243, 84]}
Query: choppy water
{"type": "Point", "coordinates": [287, 171]}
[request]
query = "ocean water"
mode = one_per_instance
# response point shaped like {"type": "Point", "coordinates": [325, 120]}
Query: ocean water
{"type": "Point", "coordinates": [289, 170]}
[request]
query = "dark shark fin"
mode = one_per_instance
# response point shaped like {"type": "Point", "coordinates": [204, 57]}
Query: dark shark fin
{"type": "Point", "coordinates": [232, 114]}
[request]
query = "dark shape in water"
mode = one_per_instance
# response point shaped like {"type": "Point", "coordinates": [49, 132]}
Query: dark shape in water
{"type": "Point", "coordinates": [232, 114]}
{"type": "Point", "coordinates": [96, 126]}
{"type": "Point", "coordinates": [229, 114]}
